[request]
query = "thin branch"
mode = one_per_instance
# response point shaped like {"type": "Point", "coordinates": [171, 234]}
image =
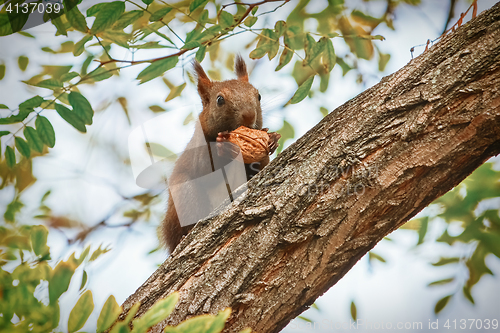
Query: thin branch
{"type": "Point", "coordinates": [105, 50]}
{"type": "Point", "coordinates": [165, 24]}
{"type": "Point", "coordinates": [451, 14]}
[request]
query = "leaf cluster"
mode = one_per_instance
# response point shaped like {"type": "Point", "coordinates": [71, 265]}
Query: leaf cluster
{"type": "Point", "coordinates": [479, 236]}
{"type": "Point", "coordinates": [25, 249]}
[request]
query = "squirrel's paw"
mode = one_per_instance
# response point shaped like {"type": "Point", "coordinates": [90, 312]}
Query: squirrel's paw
{"type": "Point", "coordinates": [273, 142]}
{"type": "Point", "coordinates": [226, 148]}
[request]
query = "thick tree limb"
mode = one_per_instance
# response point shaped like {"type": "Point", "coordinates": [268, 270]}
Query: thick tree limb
{"type": "Point", "coordinates": [362, 172]}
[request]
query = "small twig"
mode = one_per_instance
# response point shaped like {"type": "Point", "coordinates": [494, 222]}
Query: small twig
{"type": "Point", "coordinates": [451, 13]}
{"type": "Point", "coordinates": [165, 24]}
{"type": "Point", "coordinates": [100, 43]}
{"type": "Point", "coordinates": [275, 9]}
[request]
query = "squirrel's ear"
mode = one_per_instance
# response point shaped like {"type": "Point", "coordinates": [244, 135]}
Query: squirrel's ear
{"type": "Point", "coordinates": [204, 83]}
{"type": "Point", "coordinates": [240, 68]}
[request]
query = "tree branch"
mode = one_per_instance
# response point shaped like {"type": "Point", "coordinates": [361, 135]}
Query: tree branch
{"type": "Point", "coordinates": [362, 172]}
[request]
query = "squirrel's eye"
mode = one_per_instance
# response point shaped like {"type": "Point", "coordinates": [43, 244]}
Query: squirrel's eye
{"type": "Point", "coordinates": [259, 97]}
{"type": "Point", "coordinates": [220, 100]}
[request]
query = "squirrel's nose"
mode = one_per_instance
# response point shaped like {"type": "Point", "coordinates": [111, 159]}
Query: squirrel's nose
{"type": "Point", "coordinates": [249, 118]}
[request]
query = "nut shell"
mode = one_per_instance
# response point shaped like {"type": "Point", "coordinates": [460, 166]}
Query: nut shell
{"type": "Point", "coordinates": [254, 144]}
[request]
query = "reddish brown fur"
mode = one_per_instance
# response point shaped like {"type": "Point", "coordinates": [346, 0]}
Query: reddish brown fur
{"type": "Point", "coordinates": [241, 107]}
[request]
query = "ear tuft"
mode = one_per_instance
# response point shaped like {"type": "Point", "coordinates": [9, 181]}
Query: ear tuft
{"type": "Point", "coordinates": [204, 83]}
{"type": "Point", "coordinates": [241, 68]}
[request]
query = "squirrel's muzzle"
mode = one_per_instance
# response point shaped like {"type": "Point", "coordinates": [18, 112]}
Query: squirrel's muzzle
{"type": "Point", "coordinates": [249, 118]}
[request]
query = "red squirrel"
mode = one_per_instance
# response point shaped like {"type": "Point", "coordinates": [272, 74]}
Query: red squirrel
{"type": "Point", "coordinates": [227, 105]}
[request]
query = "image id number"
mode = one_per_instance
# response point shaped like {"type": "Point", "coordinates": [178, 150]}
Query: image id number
{"type": "Point", "coordinates": [471, 324]}
{"type": "Point", "coordinates": [33, 7]}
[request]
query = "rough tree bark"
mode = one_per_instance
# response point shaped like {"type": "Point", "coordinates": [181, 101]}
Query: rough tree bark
{"type": "Point", "coordinates": [323, 203]}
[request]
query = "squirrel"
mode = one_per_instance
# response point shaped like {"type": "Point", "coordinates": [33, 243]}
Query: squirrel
{"type": "Point", "coordinates": [227, 105]}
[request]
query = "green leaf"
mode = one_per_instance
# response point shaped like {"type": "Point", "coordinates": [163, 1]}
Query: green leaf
{"type": "Point", "coordinates": [250, 21]}
{"type": "Point", "coordinates": [59, 281]}
{"type": "Point", "coordinates": [280, 28]}
{"type": "Point", "coordinates": [148, 2]}
{"type": "Point", "coordinates": [286, 132]}
{"type": "Point", "coordinates": [34, 140]}
{"type": "Point", "coordinates": [86, 64]}
{"type": "Point", "coordinates": [329, 57]}
{"type": "Point", "coordinates": [156, 108]}
{"type": "Point", "coordinates": [200, 54]}
{"type": "Point", "coordinates": [202, 324]}
{"type": "Point", "coordinates": [25, 34]}
{"type": "Point", "coordinates": [294, 38]}
{"type": "Point", "coordinates": [80, 46]}
{"type": "Point", "coordinates": [23, 113]}
{"type": "Point", "coordinates": [45, 131]}
{"type": "Point", "coordinates": [81, 312]}
{"type": "Point", "coordinates": [374, 256]}
{"type": "Point", "coordinates": [33, 102]}
{"type": "Point", "coordinates": [10, 157]}
{"type": "Point", "coordinates": [159, 150]}
{"type": "Point", "coordinates": [60, 26]}
{"type": "Point", "coordinates": [23, 61]}
{"type": "Point", "coordinates": [441, 304]}
{"type": "Point", "coordinates": [268, 43]}
{"type": "Point", "coordinates": [3, 106]}
{"type": "Point", "coordinates": [446, 261]}
{"type": "Point", "coordinates": [159, 14]}
{"type": "Point", "coordinates": [84, 279]}
{"type": "Point", "coordinates": [302, 91]}
{"type": "Point", "coordinates": [362, 18]}
{"type": "Point", "coordinates": [158, 312]}
{"type": "Point", "coordinates": [353, 311]}
{"type": "Point", "coordinates": [176, 91]}
{"type": "Point", "coordinates": [383, 59]}
{"type": "Point", "coordinates": [109, 313]}
{"type": "Point", "coordinates": [2, 133]}
{"type": "Point", "coordinates": [313, 49]}
{"type": "Point", "coordinates": [424, 222]}
{"type": "Point", "coordinates": [107, 16]}
{"type": "Point", "coordinates": [92, 11]}
{"type": "Point", "coordinates": [441, 282]}
{"type": "Point", "coordinates": [128, 18]}
{"type": "Point", "coordinates": [57, 71]}
{"type": "Point", "coordinates": [75, 17]}
{"type": "Point", "coordinates": [81, 107]}
{"type": "Point", "coordinates": [68, 76]}
{"type": "Point", "coordinates": [195, 34]}
{"type": "Point", "coordinates": [209, 33]}
{"type": "Point", "coordinates": [285, 58]}
{"type": "Point", "coordinates": [49, 84]}
{"type": "Point", "coordinates": [467, 294]}
{"type": "Point", "coordinates": [13, 208]}
{"type": "Point", "coordinates": [225, 19]}
{"type": "Point", "coordinates": [98, 253]}
{"type": "Point", "coordinates": [324, 80]}
{"type": "Point", "coordinates": [345, 67]}
{"type": "Point", "coordinates": [39, 240]}
{"type": "Point", "coordinates": [71, 117]}
{"type": "Point", "coordinates": [149, 45]}
{"type": "Point", "coordinates": [491, 241]}
{"type": "Point", "coordinates": [157, 68]}
{"type": "Point", "coordinates": [12, 22]}
{"type": "Point", "coordinates": [195, 4]}
{"type": "Point", "coordinates": [99, 74]}
{"type": "Point", "coordinates": [2, 71]}
{"type": "Point", "coordinates": [23, 147]}
{"type": "Point", "coordinates": [48, 50]}
{"type": "Point", "coordinates": [191, 45]}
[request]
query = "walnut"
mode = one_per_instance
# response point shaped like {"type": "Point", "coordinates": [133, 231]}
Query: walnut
{"type": "Point", "coordinates": [254, 144]}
